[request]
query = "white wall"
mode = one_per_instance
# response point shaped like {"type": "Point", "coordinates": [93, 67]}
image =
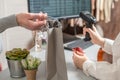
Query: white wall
{"type": "Point", "coordinates": [13, 37]}
{"type": "Point", "coordinates": [8, 7]}
{"type": "Point", "coordinates": [2, 8]}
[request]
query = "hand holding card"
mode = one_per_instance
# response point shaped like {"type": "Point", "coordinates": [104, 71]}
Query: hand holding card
{"type": "Point", "coordinates": [79, 57]}
{"type": "Point", "coordinates": [78, 51]}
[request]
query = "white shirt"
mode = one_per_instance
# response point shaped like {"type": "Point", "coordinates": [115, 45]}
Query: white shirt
{"type": "Point", "coordinates": [104, 70]}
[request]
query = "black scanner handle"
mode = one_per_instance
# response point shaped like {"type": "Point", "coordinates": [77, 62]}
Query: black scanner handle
{"type": "Point", "coordinates": [87, 36]}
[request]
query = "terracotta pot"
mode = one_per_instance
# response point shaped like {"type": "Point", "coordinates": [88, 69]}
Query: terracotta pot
{"type": "Point", "coordinates": [31, 74]}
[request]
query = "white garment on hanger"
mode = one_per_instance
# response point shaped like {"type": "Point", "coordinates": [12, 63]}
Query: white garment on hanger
{"type": "Point", "coordinates": [101, 9]}
{"type": "Point", "coordinates": [97, 10]}
{"type": "Point", "coordinates": [107, 9]}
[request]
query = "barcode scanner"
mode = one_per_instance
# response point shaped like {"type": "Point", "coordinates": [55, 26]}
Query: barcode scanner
{"type": "Point", "coordinates": [89, 21]}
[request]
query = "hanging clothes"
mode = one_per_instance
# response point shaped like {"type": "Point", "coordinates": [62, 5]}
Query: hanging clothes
{"type": "Point", "coordinates": [107, 9]}
{"type": "Point", "coordinates": [72, 22]}
{"type": "Point", "coordinates": [79, 22]}
{"type": "Point", "coordinates": [101, 9]}
{"type": "Point", "coordinates": [93, 2]}
{"type": "Point", "coordinates": [97, 10]}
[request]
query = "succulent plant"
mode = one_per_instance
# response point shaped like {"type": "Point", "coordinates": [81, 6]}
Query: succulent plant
{"type": "Point", "coordinates": [30, 62]}
{"type": "Point", "coordinates": [17, 54]}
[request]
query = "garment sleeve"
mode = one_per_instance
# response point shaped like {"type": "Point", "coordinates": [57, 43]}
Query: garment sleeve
{"type": "Point", "coordinates": [102, 70]}
{"type": "Point", "coordinates": [89, 68]}
{"type": "Point", "coordinates": [7, 22]}
{"type": "Point", "coordinates": [108, 46]}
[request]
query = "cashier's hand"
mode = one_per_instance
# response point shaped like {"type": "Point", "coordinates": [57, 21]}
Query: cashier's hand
{"type": "Point", "coordinates": [95, 36]}
{"type": "Point", "coordinates": [79, 59]}
{"type": "Point", "coordinates": [32, 21]}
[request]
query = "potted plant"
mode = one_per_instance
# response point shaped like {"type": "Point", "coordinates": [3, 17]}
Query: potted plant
{"type": "Point", "coordinates": [30, 65]}
{"type": "Point", "coordinates": [14, 58]}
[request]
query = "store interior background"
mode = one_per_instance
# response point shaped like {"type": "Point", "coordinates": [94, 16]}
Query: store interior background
{"type": "Point", "coordinates": [110, 29]}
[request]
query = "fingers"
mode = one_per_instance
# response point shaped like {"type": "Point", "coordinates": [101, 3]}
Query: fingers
{"type": "Point", "coordinates": [75, 60]}
{"type": "Point", "coordinates": [43, 16]}
{"type": "Point", "coordinates": [89, 30]}
{"type": "Point", "coordinates": [37, 20]}
{"type": "Point", "coordinates": [78, 55]}
{"type": "Point", "coordinates": [36, 24]}
{"type": "Point", "coordinates": [40, 16]}
{"type": "Point", "coordinates": [94, 28]}
{"type": "Point", "coordinates": [78, 60]}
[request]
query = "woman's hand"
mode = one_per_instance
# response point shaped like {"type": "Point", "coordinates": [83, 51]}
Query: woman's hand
{"type": "Point", "coordinates": [78, 59]}
{"type": "Point", "coordinates": [95, 36]}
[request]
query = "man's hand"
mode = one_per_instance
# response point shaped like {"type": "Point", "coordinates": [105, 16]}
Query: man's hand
{"type": "Point", "coordinates": [32, 21]}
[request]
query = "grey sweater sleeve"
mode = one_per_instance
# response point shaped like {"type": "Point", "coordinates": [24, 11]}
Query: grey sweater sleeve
{"type": "Point", "coordinates": [7, 22]}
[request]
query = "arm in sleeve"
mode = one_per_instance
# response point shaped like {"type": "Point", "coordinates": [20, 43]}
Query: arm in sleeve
{"type": "Point", "coordinates": [102, 70]}
{"type": "Point", "coordinates": [7, 22]}
{"type": "Point", "coordinates": [89, 68]}
{"type": "Point", "coordinates": [108, 46]}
